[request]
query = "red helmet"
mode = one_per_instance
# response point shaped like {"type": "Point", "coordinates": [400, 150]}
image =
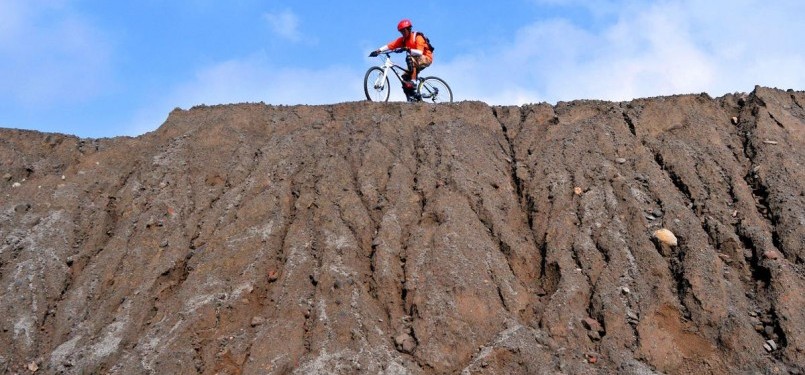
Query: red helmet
{"type": "Point", "coordinates": [403, 24]}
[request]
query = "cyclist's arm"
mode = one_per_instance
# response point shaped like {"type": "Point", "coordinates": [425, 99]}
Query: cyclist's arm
{"type": "Point", "coordinates": [397, 43]}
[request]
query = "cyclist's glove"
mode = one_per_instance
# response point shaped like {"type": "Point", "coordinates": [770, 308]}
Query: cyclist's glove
{"type": "Point", "coordinates": [374, 53]}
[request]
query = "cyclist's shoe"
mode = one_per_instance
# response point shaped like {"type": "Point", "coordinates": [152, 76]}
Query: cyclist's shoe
{"type": "Point", "coordinates": [408, 89]}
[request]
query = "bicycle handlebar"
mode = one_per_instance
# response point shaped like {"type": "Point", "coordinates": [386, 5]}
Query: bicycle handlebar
{"type": "Point", "coordinates": [390, 51]}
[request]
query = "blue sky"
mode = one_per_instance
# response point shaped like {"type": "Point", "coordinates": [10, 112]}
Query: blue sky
{"type": "Point", "coordinates": [99, 68]}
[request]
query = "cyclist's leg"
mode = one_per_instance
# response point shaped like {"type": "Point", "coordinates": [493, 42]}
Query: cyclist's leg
{"type": "Point", "coordinates": [416, 64]}
{"type": "Point", "coordinates": [412, 66]}
{"type": "Point", "coordinates": [407, 84]}
{"type": "Point", "coordinates": [423, 62]}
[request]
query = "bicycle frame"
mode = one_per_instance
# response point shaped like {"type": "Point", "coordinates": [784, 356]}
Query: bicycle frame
{"type": "Point", "coordinates": [388, 64]}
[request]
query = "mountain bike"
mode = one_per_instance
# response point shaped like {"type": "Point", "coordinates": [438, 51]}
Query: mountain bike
{"type": "Point", "coordinates": [428, 89]}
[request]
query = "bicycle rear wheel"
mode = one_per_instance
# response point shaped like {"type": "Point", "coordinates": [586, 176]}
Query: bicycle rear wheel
{"type": "Point", "coordinates": [375, 87]}
{"type": "Point", "coordinates": [435, 90]}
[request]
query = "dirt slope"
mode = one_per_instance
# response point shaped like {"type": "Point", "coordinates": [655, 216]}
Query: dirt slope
{"type": "Point", "coordinates": [412, 239]}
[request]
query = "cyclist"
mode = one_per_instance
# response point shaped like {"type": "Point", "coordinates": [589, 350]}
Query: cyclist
{"type": "Point", "coordinates": [419, 55]}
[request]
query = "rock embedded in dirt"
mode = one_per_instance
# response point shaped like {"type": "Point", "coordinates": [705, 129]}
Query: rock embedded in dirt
{"type": "Point", "coordinates": [405, 343]}
{"type": "Point", "coordinates": [771, 254]}
{"type": "Point", "coordinates": [592, 325]}
{"type": "Point", "coordinates": [273, 276]}
{"type": "Point", "coordinates": [665, 236]}
{"type": "Point", "coordinates": [257, 320]}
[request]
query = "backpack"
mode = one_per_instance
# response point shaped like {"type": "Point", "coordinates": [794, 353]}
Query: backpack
{"type": "Point", "coordinates": [427, 41]}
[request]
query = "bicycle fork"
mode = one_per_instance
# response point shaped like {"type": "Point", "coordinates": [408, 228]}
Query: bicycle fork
{"type": "Point", "coordinates": [382, 79]}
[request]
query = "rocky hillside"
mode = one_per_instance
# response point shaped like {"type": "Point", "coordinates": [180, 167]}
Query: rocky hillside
{"type": "Point", "coordinates": [412, 239]}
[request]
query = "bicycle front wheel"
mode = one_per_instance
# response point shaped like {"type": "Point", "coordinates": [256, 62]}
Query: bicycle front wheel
{"type": "Point", "coordinates": [375, 85]}
{"type": "Point", "coordinates": [435, 90]}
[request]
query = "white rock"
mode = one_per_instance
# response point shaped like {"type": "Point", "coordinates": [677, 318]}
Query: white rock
{"type": "Point", "coordinates": [665, 236]}
{"type": "Point", "coordinates": [257, 320]}
{"type": "Point", "coordinates": [771, 254]}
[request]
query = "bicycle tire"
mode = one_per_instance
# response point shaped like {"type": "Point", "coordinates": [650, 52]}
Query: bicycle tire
{"type": "Point", "coordinates": [435, 90]}
{"type": "Point", "coordinates": [376, 94]}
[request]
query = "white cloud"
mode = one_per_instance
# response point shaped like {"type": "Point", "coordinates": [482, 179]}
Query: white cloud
{"type": "Point", "coordinates": [51, 55]}
{"type": "Point", "coordinates": [285, 24]}
{"type": "Point", "coordinates": [251, 80]}
{"type": "Point", "coordinates": [255, 79]}
{"type": "Point", "coordinates": [11, 14]}
{"type": "Point", "coordinates": [648, 49]}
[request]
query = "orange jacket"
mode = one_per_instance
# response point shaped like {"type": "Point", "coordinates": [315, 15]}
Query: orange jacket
{"type": "Point", "coordinates": [416, 43]}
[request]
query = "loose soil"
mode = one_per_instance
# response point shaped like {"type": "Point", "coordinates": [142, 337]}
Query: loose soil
{"type": "Point", "coordinates": [412, 239]}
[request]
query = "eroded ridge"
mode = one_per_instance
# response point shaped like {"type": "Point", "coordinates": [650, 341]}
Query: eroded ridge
{"type": "Point", "coordinates": [398, 238]}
